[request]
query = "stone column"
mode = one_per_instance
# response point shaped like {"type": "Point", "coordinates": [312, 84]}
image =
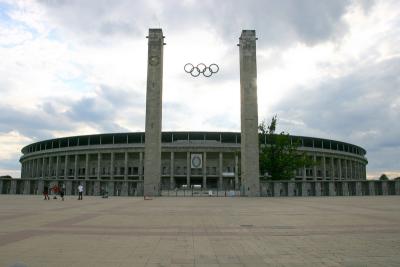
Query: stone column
{"type": "Point", "coordinates": [358, 189]}
{"type": "Point", "coordinates": [112, 166]}
{"type": "Point", "coordinates": [68, 188]}
{"type": "Point", "coordinates": [126, 166]}
{"type": "Point", "coordinates": [36, 173]}
{"type": "Point", "coordinates": [220, 166]}
{"type": "Point", "coordinates": [323, 167]}
{"type": "Point", "coordinates": [385, 190]}
{"type": "Point", "coordinates": [291, 189]}
{"type": "Point", "coordinates": [277, 189]}
{"type": "Point", "coordinates": [140, 166]}
{"type": "Point", "coordinates": [37, 169]}
{"type": "Point", "coordinates": [66, 172]}
{"type": "Point", "coordinates": [315, 167]}
{"type": "Point", "coordinates": [98, 165]}
{"type": "Point", "coordinates": [236, 171]}
{"type": "Point", "coordinates": [351, 170]}
{"type": "Point", "coordinates": [304, 174]}
{"type": "Point", "coordinates": [317, 189]}
{"type": "Point", "coordinates": [331, 187]}
{"type": "Point", "coordinates": [340, 168]}
{"type": "Point", "coordinates": [76, 167]}
{"type": "Point", "coordinates": [249, 113]}
{"type": "Point", "coordinates": [27, 187]}
{"type": "Point", "coordinates": [43, 171]}
{"type": "Point", "coordinates": [152, 164]}
{"type": "Point", "coordinates": [96, 189]}
{"type": "Point", "coordinates": [49, 167]}
{"type": "Point", "coordinates": [13, 188]}
{"type": "Point", "coordinates": [347, 169]}
{"type": "Point", "coordinates": [332, 168]}
{"type": "Point", "coordinates": [29, 170]}
{"type": "Point", "coordinates": [304, 191]}
{"type": "Point", "coordinates": [371, 188]}
{"type": "Point", "coordinates": [40, 186]}
{"type": "Point", "coordinates": [34, 166]}
{"type": "Point", "coordinates": [204, 169]}
{"type": "Point", "coordinates": [26, 169]}
{"type": "Point", "coordinates": [345, 188]}
{"type": "Point", "coordinates": [188, 169]}
{"type": "Point", "coordinates": [87, 166]}
{"type": "Point", "coordinates": [172, 170]}
{"type": "Point", "coordinates": [397, 187]}
{"type": "Point", "coordinates": [111, 188]}
{"type": "Point", "coordinates": [124, 189]}
{"type": "Point", "coordinates": [57, 166]}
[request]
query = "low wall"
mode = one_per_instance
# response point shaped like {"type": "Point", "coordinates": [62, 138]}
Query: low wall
{"type": "Point", "coordinates": [267, 189]}
{"type": "Point", "coordinates": [329, 188]}
{"type": "Point", "coordinates": [91, 187]}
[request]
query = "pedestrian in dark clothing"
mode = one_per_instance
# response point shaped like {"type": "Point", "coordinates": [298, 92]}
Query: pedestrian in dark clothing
{"type": "Point", "coordinates": [62, 192]}
{"type": "Point", "coordinates": [46, 192]}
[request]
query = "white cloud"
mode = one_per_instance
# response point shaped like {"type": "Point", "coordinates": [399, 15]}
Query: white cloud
{"type": "Point", "coordinates": [73, 67]}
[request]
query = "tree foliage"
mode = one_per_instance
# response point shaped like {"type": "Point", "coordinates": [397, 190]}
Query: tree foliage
{"type": "Point", "coordinates": [280, 157]}
{"type": "Point", "coordinates": [383, 177]}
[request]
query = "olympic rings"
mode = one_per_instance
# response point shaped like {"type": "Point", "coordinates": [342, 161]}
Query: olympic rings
{"type": "Point", "coordinates": [201, 68]}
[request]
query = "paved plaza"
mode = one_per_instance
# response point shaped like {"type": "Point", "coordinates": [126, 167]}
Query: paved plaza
{"type": "Point", "coordinates": [208, 231]}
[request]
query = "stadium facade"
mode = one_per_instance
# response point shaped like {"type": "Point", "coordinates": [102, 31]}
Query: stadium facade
{"type": "Point", "coordinates": [207, 160]}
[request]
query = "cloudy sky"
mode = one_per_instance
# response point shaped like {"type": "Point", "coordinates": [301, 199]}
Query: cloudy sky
{"type": "Point", "coordinates": [326, 68]}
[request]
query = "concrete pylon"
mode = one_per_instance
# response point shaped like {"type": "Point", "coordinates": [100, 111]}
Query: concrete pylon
{"type": "Point", "coordinates": [249, 114]}
{"type": "Point", "coordinates": [152, 152]}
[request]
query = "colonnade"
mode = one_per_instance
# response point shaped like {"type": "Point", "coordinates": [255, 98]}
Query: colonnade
{"type": "Point", "coordinates": [220, 167]}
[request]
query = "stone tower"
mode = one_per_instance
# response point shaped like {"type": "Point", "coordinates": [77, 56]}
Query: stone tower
{"type": "Point", "coordinates": [249, 114]}
{"type": "Point", "coordinates": [152, 152]}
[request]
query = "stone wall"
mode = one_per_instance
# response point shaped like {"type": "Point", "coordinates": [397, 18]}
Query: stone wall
{"type": "Point", "coordinates": [267, 189]}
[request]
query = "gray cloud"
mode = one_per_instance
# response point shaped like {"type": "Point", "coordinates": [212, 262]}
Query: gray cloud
{"type": "Point", "coordinates": [100, 111]}
{"type": "Point", "coordinates": [277, 22]}
{"type": "Point", "coordinates": [109, 104]}
{"type": "Point", "coordinates": [37, 124]}
{"type": "Point", "coordinates": [361, 108]}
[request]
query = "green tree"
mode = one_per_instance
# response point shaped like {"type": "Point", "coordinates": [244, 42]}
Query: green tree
{"type": "Point", "coordinates": [280, 157]}
{"type": "Point", "coordinates": [383, 177]}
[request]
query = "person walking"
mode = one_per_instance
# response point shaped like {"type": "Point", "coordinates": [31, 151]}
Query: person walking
{"type": "Point", "coordinates": [80, 190]}
{"type": "Point", "coordinates": [62, 191]}
{"type": "Point", "coordinates": [46, 192]}
{"type": "Point", "coordinates": [55, 190]}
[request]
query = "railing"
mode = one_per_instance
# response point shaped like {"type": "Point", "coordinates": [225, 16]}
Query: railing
{"type": "Point", "coordinates": [199, 192]}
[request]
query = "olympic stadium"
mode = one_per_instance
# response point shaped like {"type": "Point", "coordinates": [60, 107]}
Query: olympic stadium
{"type": "Point", "coordinates": [202, 160]}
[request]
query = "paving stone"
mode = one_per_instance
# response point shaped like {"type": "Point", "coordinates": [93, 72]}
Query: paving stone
{"type": "Point", "coordinates": [339, 231]}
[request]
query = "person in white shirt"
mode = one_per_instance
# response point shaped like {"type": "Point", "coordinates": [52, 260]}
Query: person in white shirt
{"type": "Point", "coordinates": [80, 190]}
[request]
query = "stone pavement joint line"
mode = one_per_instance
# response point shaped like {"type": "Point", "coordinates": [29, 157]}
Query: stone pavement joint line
{"type": "Point", "coordinates": [342, 231]}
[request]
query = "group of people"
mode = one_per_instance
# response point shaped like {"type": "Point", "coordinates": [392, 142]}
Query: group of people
{"type": "Point", "coordinates": [59, 190]}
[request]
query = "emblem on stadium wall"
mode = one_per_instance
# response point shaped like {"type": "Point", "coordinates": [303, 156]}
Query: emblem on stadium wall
{"type": "Point", "coordinates": [196, 161]}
